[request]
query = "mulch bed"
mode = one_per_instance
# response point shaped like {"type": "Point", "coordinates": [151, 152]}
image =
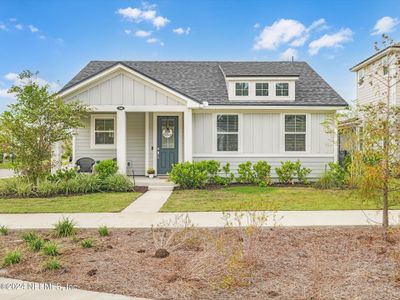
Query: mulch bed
{"type": "Point", "coordinates": [291, 263]}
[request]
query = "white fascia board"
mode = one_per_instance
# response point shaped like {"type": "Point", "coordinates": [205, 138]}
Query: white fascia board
{"type": "Point", "coordinates": [263, 79]}
{"type": "Point", "coordinates": [257, 107]}
{"type": "Point", "coordinates": [190, 103]}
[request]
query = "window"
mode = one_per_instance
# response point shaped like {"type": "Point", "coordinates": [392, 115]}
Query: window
{"type": "Point", "coordinates": [227, 132]}
{"type": "Point", "coordinates": [241, 89]}
{"type": "Point", "coordinates": [360, 76]}
{"type": "Point", "coordinates": [261, 89]}
{"type": "Point", "coordinates": [295, 132]}
{"type": "Point", "coordinates": [385, 70]}
{"type": "Point", "coordinates": [282, 89]}
{"type": "Point", "coordinates": [103, 131]}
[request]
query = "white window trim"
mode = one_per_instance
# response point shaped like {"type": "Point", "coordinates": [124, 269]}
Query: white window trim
{"type": "Point", "coordinates": [93, 144]}
{"type": "Point", "coordinates": [271, 90]}
{"type": "Point", "coordinates": [307, 133]}
{"type": "Point", "coordinates": [248, 89]}
{"type": "Point", "coordinates": [215, 132]}
{"type": "Point", "coordinates": [268, 89]}
{"type": "Point", "coordinates": [288, 89]}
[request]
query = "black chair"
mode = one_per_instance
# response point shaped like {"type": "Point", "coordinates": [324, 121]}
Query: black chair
{"type": "Point", "coordinates": [85, 165]}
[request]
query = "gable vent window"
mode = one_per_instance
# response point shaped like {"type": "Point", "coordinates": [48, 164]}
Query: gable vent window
{"type": "Point", "coordinates": [295, 133]}
{"type": "Point", "coordinates": [241, 89]}
{"type": "Point", "coordinates": [261, 89]}
{"type": "Point", "coordinates": [282, 89]}
{"type": "Point", "coordinates": [227, 132]}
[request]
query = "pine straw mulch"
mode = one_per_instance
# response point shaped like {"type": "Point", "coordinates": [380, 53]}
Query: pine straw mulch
{"type": "Point", "coordinates": [290, 263]}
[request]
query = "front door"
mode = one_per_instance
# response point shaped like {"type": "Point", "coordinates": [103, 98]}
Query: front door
{"type": "Point", "coordinates": [167, 143]}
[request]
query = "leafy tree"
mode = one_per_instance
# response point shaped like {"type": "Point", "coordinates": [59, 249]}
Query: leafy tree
{"type": "Point", "coordinates": [32, 125]}
{"type": "Point", "coordinates": [373, 131]}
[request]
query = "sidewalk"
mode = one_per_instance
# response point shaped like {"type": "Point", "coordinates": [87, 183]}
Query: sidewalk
{"type": "Point", "coordinates": [200, 219]}
{"type": "Point", "coordinates": [13, 289]}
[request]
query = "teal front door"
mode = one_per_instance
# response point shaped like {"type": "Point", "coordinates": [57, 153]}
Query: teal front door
{"type": "Point", "coordinates": [167, 143]}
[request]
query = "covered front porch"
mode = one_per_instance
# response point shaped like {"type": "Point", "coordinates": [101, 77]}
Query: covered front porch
{"type": "Point", "coordinates": [139, 138]}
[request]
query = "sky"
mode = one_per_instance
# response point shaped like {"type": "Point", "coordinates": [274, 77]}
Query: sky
{"type": "Point", "coordinates": [58, 38]}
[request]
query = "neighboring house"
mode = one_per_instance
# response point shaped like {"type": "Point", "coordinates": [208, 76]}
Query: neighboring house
{"type": "Point", "coordinates": [375, 69]}
{"type": "Point", "coordinates": [157, 113]}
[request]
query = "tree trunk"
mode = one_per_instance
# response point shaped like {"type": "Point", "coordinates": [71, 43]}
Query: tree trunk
{"type": "Point", "coordinates": [385, 211]}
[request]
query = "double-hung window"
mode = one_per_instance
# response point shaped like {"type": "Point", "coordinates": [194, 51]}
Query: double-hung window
{"type": "Point", "coordinates": [295, 133]}
{"type": "Point", "coordinates": [241, 89]}
{"type": "Point", "coordinates": [227, 132]}
{"type": "Point", "coordinates": [282, 89]}
{"type": "Point", "coordinates": [261, 89]}
{"type": "Point", "coordinates": [103, 131]}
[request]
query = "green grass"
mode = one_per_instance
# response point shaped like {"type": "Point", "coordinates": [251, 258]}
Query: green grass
{"type": "Point", "coordinates": [5, 165]}
{"type": "Point", "coordinates": [96, 202]}
{"type": "Point", "coordinates": [271, 198]}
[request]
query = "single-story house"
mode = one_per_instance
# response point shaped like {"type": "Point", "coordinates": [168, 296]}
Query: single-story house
{"type": "Point", "coordinates": [153, 114]}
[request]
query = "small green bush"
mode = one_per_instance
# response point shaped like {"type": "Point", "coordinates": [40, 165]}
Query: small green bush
{"type": "Point", "coordinates": [64, 228]}
{"type": "Point", "coordinates": [335, 177]}
{"type": "Point", "coordinates": [246, 173]}
{"type": "Point", "coordinates": [52, 264]}
{"type": "Point", "coordinates": [48, 188]}
{"type": "Point", "coordinates": [3, 230]}
{"type": "Point", "coordinates": [325, 182]}
{"type": "Point", "coordinates": [117, 183]}
{"type": "Point", "coordinates": [30, 236]}
{"type": "Point", "coordinates": [103, 231]}
{"type": "Point", "coordinates": [62, 175]}
{"type": "Point", "coordinates": [12, 257]}
{"type": "Point", "coordinates": [106, 168]}
{"type": "Point", "coordinates": [189, 175]}
{"type": "Point", "coordinates": [87, 243]}
{"type": "Point", "coordinates": [36, 244]}
{"type": "Point", "coordinates": [286, 172]}
{"type": "Point", "coordinates": [17, 186]}
{"type": "Point", "coordinates": [50, 249]}
{"type": "Point", "coordinates": [228, 176]}
{"type": "Point", "coordinates": [212, 167]}
{"type": "Point", "coordinates": [262, 173]}
{"type": "Point", "coordinates": [302, 173]}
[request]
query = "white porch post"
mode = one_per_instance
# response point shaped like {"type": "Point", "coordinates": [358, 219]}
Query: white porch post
{"type": "Point", "coordinates": [121, 141]}
{"type": "Point", "coordinates": [56, 157]}
{"type": "Point", "coordinates": [187, 135]}
{"type": "Point", "coordinates": [146, 141]}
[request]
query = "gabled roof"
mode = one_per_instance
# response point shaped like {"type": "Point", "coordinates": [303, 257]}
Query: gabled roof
{"type": "Point", "coordinates": [205, 80]}
{"type": "Point", "coordinates": [374, 57]}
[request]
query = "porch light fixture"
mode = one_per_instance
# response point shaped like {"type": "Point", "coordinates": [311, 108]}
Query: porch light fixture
{"type": "Point", "coordinates": [120, 107]}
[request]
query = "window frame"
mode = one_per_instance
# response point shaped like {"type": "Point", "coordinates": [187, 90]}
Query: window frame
{"type": "Point", "coordinates": [248, 89]}
{"type": "Point", "coordinates": [262, 89]}
{"type": "Point", "coordinates": [307, 133]}
{"type": "Point", "coordinates": [276, 89]}
{"type": "Point", "coordinates": [93, 119]}
{"type": "Point", "coordinates": [216, 132]}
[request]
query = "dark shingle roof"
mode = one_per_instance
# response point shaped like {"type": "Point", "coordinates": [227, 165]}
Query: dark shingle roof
{"type": "Point", "coordinates": [205, 81]}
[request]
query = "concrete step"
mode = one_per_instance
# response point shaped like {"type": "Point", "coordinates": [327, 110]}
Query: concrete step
{"type": "Point", "coordinates": [161, 187]}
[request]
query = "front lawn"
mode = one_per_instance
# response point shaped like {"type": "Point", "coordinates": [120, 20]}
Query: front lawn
{"type": "Point", "coordinates": [272, 198]}
{"type": "Point", "coordinates": [96, 202]}
{"type": "Point", "coordinates": [5, 165]}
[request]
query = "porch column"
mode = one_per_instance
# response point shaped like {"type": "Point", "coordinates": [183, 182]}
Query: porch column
{"type": "Point", "coordinates": [121, 141]}
{"type": "Point", "coordinates": [56, 162]}
{"type": "Point", "coordinates": [187, 135]}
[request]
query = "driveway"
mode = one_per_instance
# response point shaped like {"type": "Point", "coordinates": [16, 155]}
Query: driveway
{"type": "Point", "coordinates": [4, 173]}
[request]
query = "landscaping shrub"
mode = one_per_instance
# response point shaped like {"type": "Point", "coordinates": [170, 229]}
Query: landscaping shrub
{"type": "Point", "coordinates": [189, 175]}
{"type": "Point", "coordinates": [47, 188]}
{"type": "Point", "coordinates": [103, 231]}
{"type": "Point", "coordinates": [228, 176]}
{"type": "Point", "coordinates": [63, 174]}
{"type": "Point", "coordinates": [106, 168]}
{"type": "Point", "coordinates": [30, 236]}
{"type": "Point", "coordinates": [286, 172]}
{"type": "Point", "coordinates": [212, 167]}
{"type": "Point", "coordinates": [52, 264]}
{"type": "Point", "coordinates": [64, 228]}
{"type": "Point", "coordinates": [325, 182]}
{"type": "Point", "coordinates": [246, 173]}
{"type": "Point", "coordinates": [87, 243]}
{"type": "Point", "coordinates": [262, 172]}
{"type": "Point", "coordinates": [302, 173]}
{"type": "Point", "coordinates": [117, 183]}
{"type": "Point", "coordinates": [12, 257]}
{"type": "Point", "coordinates": [36, 244]}
{"type": "Point", "coordinates": [18, 186]}
{"type": "Point", "coordinates": [335, 177]}
{"type": "Point", "coordinates": [50, 249]}
{"type": "Point", "coordinates": [3, 230]}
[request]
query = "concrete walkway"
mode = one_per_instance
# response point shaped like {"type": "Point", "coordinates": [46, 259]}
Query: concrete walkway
{"type": "Point", "coordinates": [151, 201]}
{"type": "Point", "coordinates": [6, 173]}
{"type": "Point", "coordinates": [12, 289]}
{"type": "Point", "coordinates": [200, 219]}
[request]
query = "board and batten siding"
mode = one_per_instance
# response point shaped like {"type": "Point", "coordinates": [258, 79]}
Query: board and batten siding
{"type": "Point", "coordinates": [261, 139]}
{"type": "Point", "coordinates": [135, 128]}
{"type": "Point", "coordinates": [121, 88]}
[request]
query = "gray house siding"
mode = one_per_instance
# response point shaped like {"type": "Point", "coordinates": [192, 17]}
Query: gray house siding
{"type": "Point", "coordinates": [262, 139]}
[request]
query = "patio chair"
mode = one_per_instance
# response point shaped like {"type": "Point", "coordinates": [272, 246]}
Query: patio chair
{"type": "Point", "coordinates": [85, 165]}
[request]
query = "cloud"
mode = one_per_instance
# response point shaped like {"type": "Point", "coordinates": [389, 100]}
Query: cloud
{"type": "Point", "coordinates": [146, 14]}
{"type": "Point", "coordinates": [154, 41]}
{"type": "Point", "coordinates": [289, 54]}
{"type": "Point", "coordinates": [286, 31]}
{"type": "Point", "coordinates": [385, 25]}
{"type": "Point", "coordinates": [3, 27]}
{"type": "Point", "coordinates": [14, 79]}
{"type": "Point", "coordinates": [33, 28]}
{"type": "Point", "coordinates": [128, 31]}
{"type": "Point", "coordinates": [142, 33]}
{"type": "Point", "coordinates": [180, 30]}
{"type": "Point", "coordinates": [257, 25]}
{"type": "Point", "coordinates": [19, 26]}
{"type": "Point", "coordinates": [335, 40]}
{"type": "Point", "coordinates": [4, 94]}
